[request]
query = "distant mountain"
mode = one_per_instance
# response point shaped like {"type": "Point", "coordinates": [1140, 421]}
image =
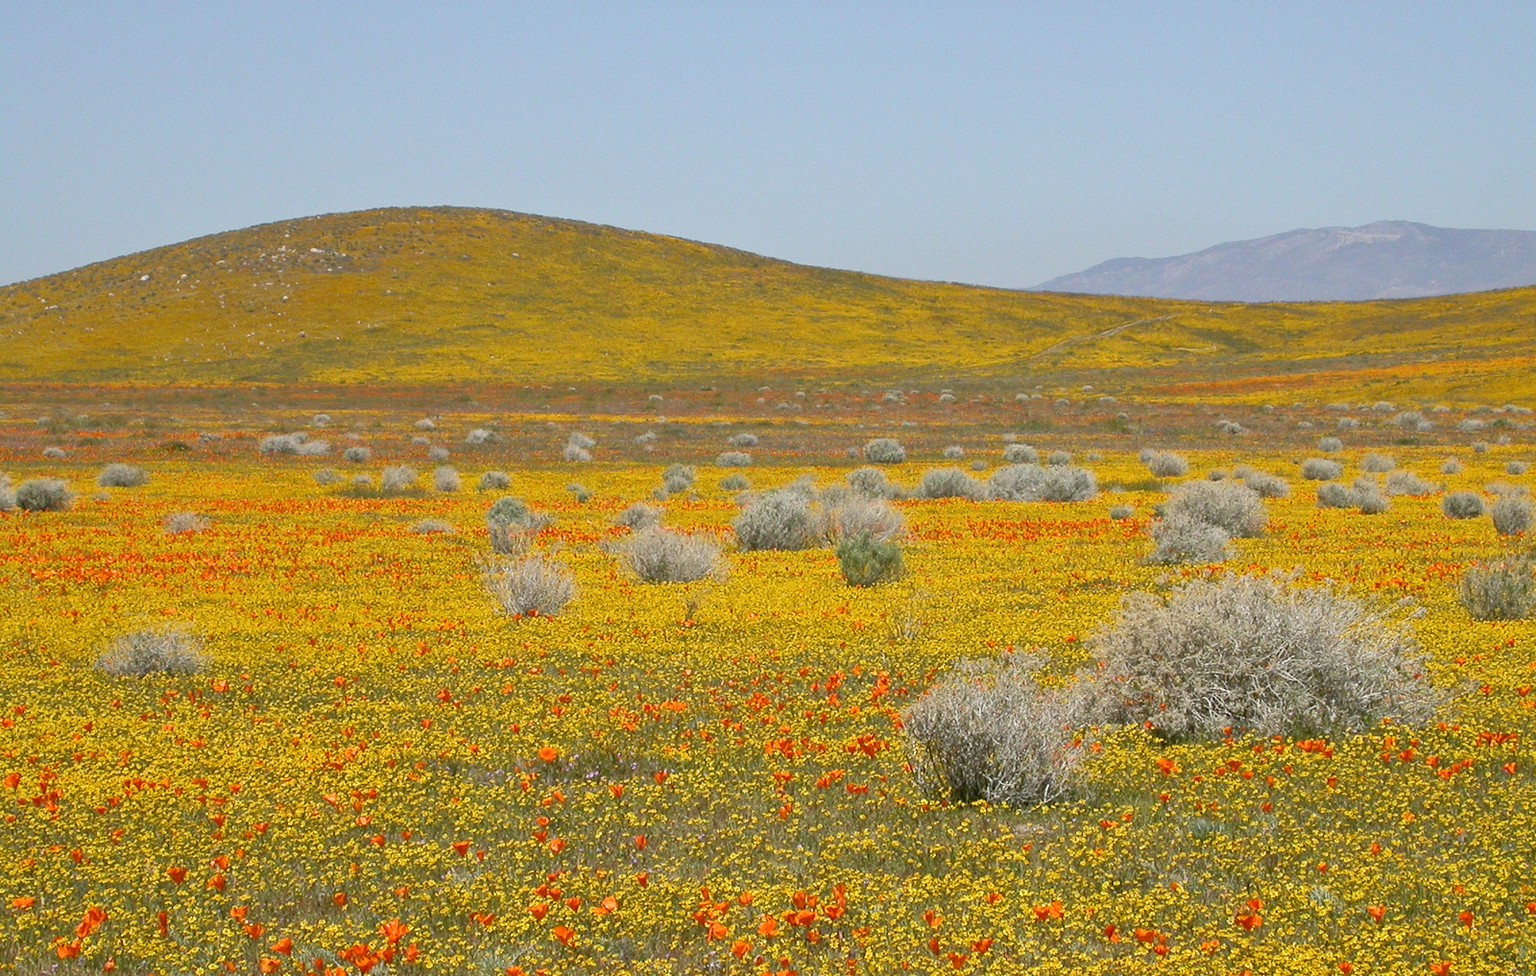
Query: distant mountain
{"type": "Point", "coordinates": [1387, 259]}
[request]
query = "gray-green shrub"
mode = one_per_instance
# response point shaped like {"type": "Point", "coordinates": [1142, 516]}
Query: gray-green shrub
{"type": "Point", "coordinates": [780, 519]}
{"type": "Point", "coordinates": [1180, 539]}
{"type": "Point", "coordinates": [163, 650]}
{"type": "Point", "coordinates": [871, 483]}
{"type": "Point", "coordinates": [495, 481]}
{"type": "Point", "coordinates": [735, 482]}
{"type": "Point", "coordinates": [1252, 653]}
{"type": "Point", "coordinates": [856, 515]}
{"type": "Point", "coordinates": [122, 476]}
{"type": "Point", "coordinates": [1511, 513]}
{"type": "Point", "coordinates": [397, 480]}
{"type": "Point", "coordinates": [357, 454]}
{"type": "Point", "coordinates": [950, 483]}
{"type": "Point", "coordinates": [1330, 445]}
{"type": "Point", "coordinates": [884, 450]}
{"type": "Point", "coordinates": [7, 495]}
{"type": "Point", "coordinates": [655, 555]}
{"type": "Point", "coordinates": [677, 479]}
{"type": "Point", "coordinates": [44, 495]}
{"type": "Point", "coordinates": [865, 560]}
{"type": "Point", "coordinates": [432, 527]}
{"type": "Point", "coordinates": [1410, 484]}
{"type": "Point", "coordinates": [528, 587]}
{"type": "Point", "coordinates": [1501, 590]}
{"type": "Point", "coordinates": [733, 459]}
{"type": "Point", "coordinates": [638, 516]}
{"type": "Point", "coordinates": [1321, 469]}
{"type": "Point", "coordinates": [446, 479]}
{"type": "Point", "coordinates": [1462, 505]}
{"type": "Point", "coordinates": [1020, 454]}
{"type": "Point", "coordinates": [1377, 463]}
{"type": "Point", "coordinates": [182, 523]}
{"type": "Point", "coordinates": [1226, 504]}
{"type": "Point", "coordinates": [1163, 464]}
{"type": "Point", "coordinates": [989, 731]}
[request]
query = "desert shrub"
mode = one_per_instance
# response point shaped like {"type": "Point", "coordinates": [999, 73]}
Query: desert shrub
{"type": "Point", "coordinates": [1020, 454]}
{"type": "Point", "coordinates": [437, 455]}
{"type": "Point", "coordinates": [579, 492]}
{"type": "Point", "coordinates": [357, 454]}
{"type": "Point", "coordinates": [122, 476]}
{"type": "Point", "coordinates": [425, 423]}
{"type": "Point", "coordinates": [494, 481]}
{"type": "Point", "coordinates": [1377, 463]}
{"type": "Point", "coordinates": [884, 450]}
{"type": "Point", "coordinates": [397, 480]}
{"type": "Point", "coordinates": [655, 555]}
{"type": "Point", "coordinates": [780, 519]}
{"type": "Point", "coordinates": [432, 527]}
{"type": "Point", "coordinates": [871, 483]}
{"type": "Point", "coordinates": [529, 587]}
{"type": "Point", "coordinates": [1267, 485]}
{"type": "Point", "coordinates": [297, 443]}
{"type": "Point", "coordinates": [1180, 539]}
{"type": "Point", "coordinates": [55, 453]}
{"type": "Point", "coordinates": [856, 515]}
{"type": "Point", "coordinates": [575, 453]}
{"type": "Point", "coordinates": [1252, 653]}
{"type": "Point", "coordinates": [1481, 447]}
{"type": "Point", "coordinates": [320, 420]}
{"type": "Point", "coordinates": [1462, 505]}
{"type": "Point", "coordinates": [1368, 497]}
{"type": "Point", "coordinates": [165, 650]}
{"type": "Point", "coordinates": [325, 477]}
{"type": "Point", "coordinates": [1500, 590]}
{"type": "Point", "coordinates": [7, 495]}
{"type": "Point", "coordinates": [677, 479]}
{"type": "Point", "coordinates": [1451, 466]}
{"type": "Point", "coordinates": [1166, 465]}
{"type": "Point", "coordinates": [182, 523]}
{"type": "Point", "coordinates": [638, 516]}
{"type": "Point", "coordinates": [44, 495]}
{"type": "Point", "coordinates": [511, 511]}
{"type": "Point", "coordinates": [1516, 467]}
{"type": "Point", "coordinates": [988, 731]}
{"type": "Point", "coordinates": [1058, 459]}
{"type": "Point", "coordinates": [1330, 445]}
{"type": "Point", "coordinates": [954, 452]}
{"type": "Point", "coordinates": [950, 483]}
{"type": "Point", "coordinates": [646, 439]}
{"type": "Point", "coordinates": [1410, 484]}
{"type": "Point", "coordinates": [865, 560]}
{"type": "Point", "coordinates": [1122, 512]}
{"type": "Point", "coordinates": [733, 459]}
{"type": "Point", "coordinates": [1511, 513]}
{"type": "Point", "coordinates": [1032, 483]}
{"type": "Point", "coordinates": [1321, 469]}
{"type": "Point", "coordinates": [1226, 504]}
{"type": "Point", "coordinates": [446, 479]}
{"type": "Point", "coordinates": [735, 482]}
{"type": "Point", "coordinates": [479, 436]}
{"type": "Point", "coordinates": [743, 440]}
{"type": "Point", "coordinates": [1334, 495]}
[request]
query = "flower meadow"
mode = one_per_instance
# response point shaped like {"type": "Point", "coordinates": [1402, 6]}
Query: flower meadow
{"type": "Point", "coordinates": [376, 772]}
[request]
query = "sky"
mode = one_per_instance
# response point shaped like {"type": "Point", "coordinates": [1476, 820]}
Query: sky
{"type": "Point", "coordinates": [999, 144]}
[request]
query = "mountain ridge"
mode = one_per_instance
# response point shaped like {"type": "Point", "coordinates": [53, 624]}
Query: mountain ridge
{"type": "Point", "coordinates": [1384, 260]}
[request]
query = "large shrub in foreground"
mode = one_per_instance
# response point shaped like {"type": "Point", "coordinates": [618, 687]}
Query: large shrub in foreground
{"type": "Point", "coordinates": [655, 555]}
{"type": "Point", "coordinates": [1252, 653]}
{"type": "Point", "coordinates": [989, 731]}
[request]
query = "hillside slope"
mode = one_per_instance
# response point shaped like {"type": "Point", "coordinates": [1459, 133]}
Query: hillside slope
{"type": "Point", "coordinates": [424, 296]}
{"type": "Point", "coordinates": [1387, 259]}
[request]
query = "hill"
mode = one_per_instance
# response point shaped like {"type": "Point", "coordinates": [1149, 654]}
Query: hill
{"type": "Point", "coordinates": [1388, 259]}
{"type": "Point", "coordinates": [437, 296]}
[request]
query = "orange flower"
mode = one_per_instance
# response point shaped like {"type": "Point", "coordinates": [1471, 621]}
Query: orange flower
{"type": "Point", "coordinates": [538, 910]}
{"type": "Point", "coordinates": [393, 930]}
{"type": "Point", "coordinates": [1054, 911]}
{"type": "Point", "coordinates": [177, 875]}
{"type": "Point", "coordinates": [1377, 912]}
{"type": "Point", "coordinates": [769, 928]}
{"type": "Point", "coordinates": [23, 904]}
{"type": "Point", "coordinates": [283, 946]}
{"type": "Point", "coordinates": [564, 934]}
{"type": "Point", "coordinates": [549, 754]}
{"type": "Point", "coordinates": [461, 848]}
{"type": "Point", "coordinates": [740, 948]}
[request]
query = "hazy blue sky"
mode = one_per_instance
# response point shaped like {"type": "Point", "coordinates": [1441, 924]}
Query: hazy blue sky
{"type": "Point", "coordinates": [993, 143]}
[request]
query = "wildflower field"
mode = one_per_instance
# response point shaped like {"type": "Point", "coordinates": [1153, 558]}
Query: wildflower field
{"type": "Point", "coordinates": [374, 771]}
